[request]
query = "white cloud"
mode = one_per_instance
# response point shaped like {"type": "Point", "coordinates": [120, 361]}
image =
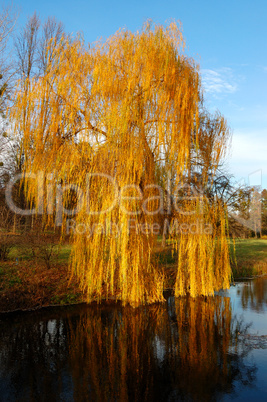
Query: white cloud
{"type": "Point", "coordinates": [219, 81]}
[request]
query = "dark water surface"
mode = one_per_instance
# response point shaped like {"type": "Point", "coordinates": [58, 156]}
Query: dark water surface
{"type": "Point", "coordinates": [195, 350]}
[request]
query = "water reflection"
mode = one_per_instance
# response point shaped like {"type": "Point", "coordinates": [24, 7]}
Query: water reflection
{"type": "Point", "coordinates": [177, 350]}
{"type": "Point", "coordinates": [254, 295]}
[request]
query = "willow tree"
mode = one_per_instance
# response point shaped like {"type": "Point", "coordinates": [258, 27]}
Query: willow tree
{"type": "Point", "coordinates": [125, 109]}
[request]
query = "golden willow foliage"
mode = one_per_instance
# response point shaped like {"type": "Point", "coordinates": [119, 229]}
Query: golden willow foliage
{"type": "Point", "coordinates": [203, 259]}
{"type": "Point", "coordinates": [132, 108]}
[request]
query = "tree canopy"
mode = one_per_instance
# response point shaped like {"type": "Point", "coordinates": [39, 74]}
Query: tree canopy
{"type": "Point", "coordinates": [115, 119]}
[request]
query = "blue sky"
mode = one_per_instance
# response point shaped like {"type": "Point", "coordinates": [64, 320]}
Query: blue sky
{"type": "Point", "coordinates": [229, 40]}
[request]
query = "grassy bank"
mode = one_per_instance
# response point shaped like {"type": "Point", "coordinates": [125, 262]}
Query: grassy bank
{"type": "Point", "coordinates": [250, 257]}
{"type": "Point", "coordinates": [27, 282]}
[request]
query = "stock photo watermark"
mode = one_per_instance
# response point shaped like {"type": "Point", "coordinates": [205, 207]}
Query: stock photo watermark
{"type": "Point", "coordinates": [130, 199]}
{"type": "Point", "coordinates": [168, 227]}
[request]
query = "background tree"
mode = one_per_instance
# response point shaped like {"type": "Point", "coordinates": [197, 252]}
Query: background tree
{"type": "Point", "coordinates": [264, 211]}
{"type": "Point", "coordinates": [8, 18]}
{"type": "Point", "coordinates": [34, 46]}
{"type": "Point", "coordinates": [7, 23]}
{"type": "Point", "coordinates": [18, 65]}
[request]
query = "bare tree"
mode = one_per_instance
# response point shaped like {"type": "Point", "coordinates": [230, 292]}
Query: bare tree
{"type": "Point", "coordinates": [34, 49]}
{"type": "Point", "coordinates": [35, 45]}
{"type": "Point", "coordinates": [26, 44]}
{"type": "Point", "coordinates": [52, 33]}
{"type": "Point", "coordinates": [31, 57]}
{"type": "Point", "coordinates": [7, 22]}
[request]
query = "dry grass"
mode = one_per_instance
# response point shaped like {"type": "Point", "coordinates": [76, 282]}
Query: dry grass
{"type": "Point", "coordinates": [26, 285]}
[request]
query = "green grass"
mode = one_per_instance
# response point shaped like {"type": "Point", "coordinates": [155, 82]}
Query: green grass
{"type": "Point", "coordinates": [251, 257]}
{"type": "Point", "coordinates": [19, 253]}
{"type": "Point", "coordinates": [64, 253]}
{"type": "Point", "coordinates": [166, 256]}
{"type": "Point", "coordinates": [68, 298]}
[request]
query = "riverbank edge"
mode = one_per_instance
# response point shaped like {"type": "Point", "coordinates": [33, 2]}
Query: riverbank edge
{"type": "Point", "coordinates": [105, 302]}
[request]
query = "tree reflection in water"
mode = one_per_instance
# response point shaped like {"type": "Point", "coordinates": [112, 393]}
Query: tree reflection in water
{"type": "Point", "coordinates": [254, 295]}
{"type": "Point", "coordinates": [180, 349]}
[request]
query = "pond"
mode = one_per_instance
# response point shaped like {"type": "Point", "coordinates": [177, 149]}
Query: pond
{"type": "Point", "coordinates": [202, 349]}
